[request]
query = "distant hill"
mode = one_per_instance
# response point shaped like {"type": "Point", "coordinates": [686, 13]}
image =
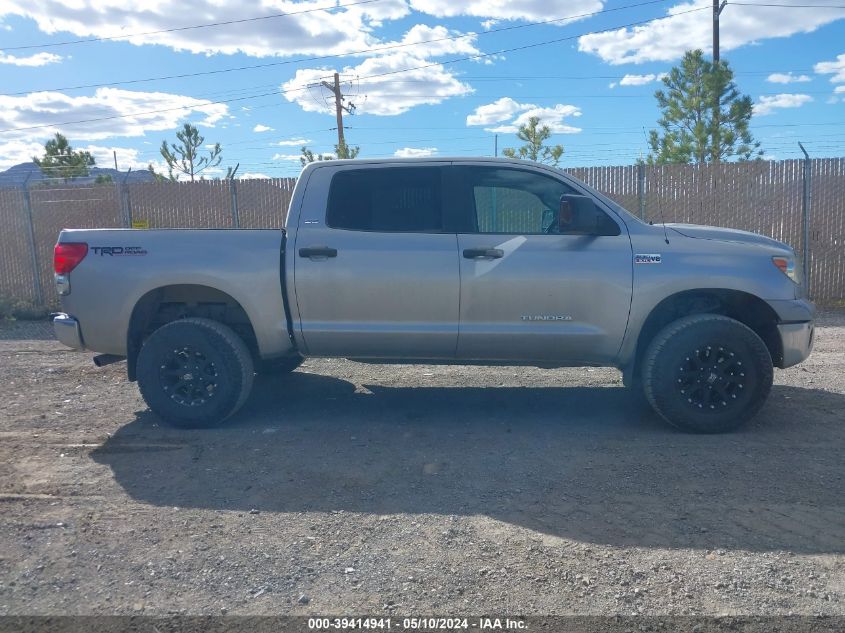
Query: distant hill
{"type": "Point", "coordinates": [16, 176]}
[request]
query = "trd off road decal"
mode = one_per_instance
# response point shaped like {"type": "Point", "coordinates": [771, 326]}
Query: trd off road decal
{"type": "Point", "coordinates": [118, 250]}
{"type": "Point", "coordinates": [648, 258]}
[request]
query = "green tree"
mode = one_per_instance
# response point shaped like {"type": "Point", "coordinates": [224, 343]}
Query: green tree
{"type": "Point", "coordinates": [310, 157]}
{"type": "Point", "coordinates": [704, 118]}
{"type": "Point", "coordinates": [535, 135]}
{"type": "Point", "coordinates": [60, 160]}
{"type": "Point", "coordinates": [161, 177]}
{"type": "Point", "coordinates": [342, 150]}
{"type": "Point", "coordinates": [103, 179]}
{"type": "Point", "coordinates": [185, 156]}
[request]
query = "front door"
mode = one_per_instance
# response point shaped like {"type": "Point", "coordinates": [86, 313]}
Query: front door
{"type": "Point", "coordinates": [529, 291]}
{"type": "Point", "coordinates": [375, 274]}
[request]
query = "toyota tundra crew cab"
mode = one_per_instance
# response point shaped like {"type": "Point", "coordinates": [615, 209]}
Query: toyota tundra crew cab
{"type": "Point", "coordinates": [440, 261]}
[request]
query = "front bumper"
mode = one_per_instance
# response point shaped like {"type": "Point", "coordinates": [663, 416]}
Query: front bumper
{"type": "Point", "coordinates": [796, 341]}
{"type": "Point", "coordinates": [67, 330]}
{"type": "Point", "coordinates": [796, 329]}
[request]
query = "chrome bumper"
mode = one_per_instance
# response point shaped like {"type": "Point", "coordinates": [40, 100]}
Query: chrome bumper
{"type": "Point", "coordinates": [796, 341]}
{"type": "Point", "coordinates": [66, 329]}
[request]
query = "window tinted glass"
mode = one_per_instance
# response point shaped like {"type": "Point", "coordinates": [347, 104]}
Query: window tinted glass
{"type": "Point", "coordinates": [404, 199]}
{"type": "Point", "coordinates": [514, 201]}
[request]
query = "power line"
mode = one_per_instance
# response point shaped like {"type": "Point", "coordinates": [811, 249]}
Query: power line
{"type": "Point", "coordinates": [368, 51]}
{"type": "Point", "coordinates": [187, 28]}
{"type": "Point", "coordinates": [136, 114]}
{"type": "Point", "coordinates": [384, 74]}
{"type": "Point", "coordinates": [788, 6]}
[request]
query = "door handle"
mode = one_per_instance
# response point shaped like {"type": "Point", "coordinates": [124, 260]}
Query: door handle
{"type": "Point", "coordinates": [318, 251]}
{"type": "Point", "coordinates": [491, 253]}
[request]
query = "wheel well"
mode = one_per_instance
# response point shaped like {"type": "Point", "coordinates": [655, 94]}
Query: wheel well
{"type": "Point", "coordinates": [742, 306]}
{"type": "Point", "coordinates": [170, 303]}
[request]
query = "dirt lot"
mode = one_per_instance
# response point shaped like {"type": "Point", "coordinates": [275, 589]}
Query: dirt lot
{"type": "Point", "coordinates": [353, 488]}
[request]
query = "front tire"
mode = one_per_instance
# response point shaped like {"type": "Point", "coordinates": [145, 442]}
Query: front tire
{"type": "Point", "coordinates": [194, 373]}
{"type": "Point", "coordinates": [707, 373]}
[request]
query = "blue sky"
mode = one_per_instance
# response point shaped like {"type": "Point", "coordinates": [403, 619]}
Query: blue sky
{"type": "Point", "coordinates": [428, 77]}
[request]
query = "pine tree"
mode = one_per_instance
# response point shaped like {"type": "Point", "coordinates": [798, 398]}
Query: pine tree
{"type": "Point", "coordinates": [534, 149]}
{"type": "Point", "coordinates": [693, 129]}
{"type": "Point", "coordinates": [185, 158]}
{"type": "Point", "coordinates": [60, 160]}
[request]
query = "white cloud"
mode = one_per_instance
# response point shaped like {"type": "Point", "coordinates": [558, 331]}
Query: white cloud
{"type": "Point", "coordinates": [769, 103]}
{"type": "Point", "coordinates": [500, 110]}
{"type": "Point", "coordinates": [787, 78]}
{"type": "Point", "coordinates": [294, 142]}
{"type": "Point", "coordinates": [22, 151]}
{"type": "Point", "coordinates": [39, 59]}
{"type": "Point", "coordinates": [118, 113]}
{"type": "Point", "coordinates": [415, 152]}
{"type": "Point", "coordinates": [836, 69]}
{"type": "Point", "coordinates": [668, 38]}
{"type": "Point", "coordinates": [530, 10]}
{"type": "Point", "coordinates": [325, 31]}
{"type": "Point", "coordinates": [419, 39]}
{"type": "Point", "coordinates": [126, 156]}
{"type": "Point", "coordinates": [505, 108]}
{"type": "Point", "coordinates": [296, 157]}
{"type": "Point", "coordinates": [640, 80]}
{"type": "Point", "coordinates": [18, 151]}
{"type": "Point", "coordinates": [287, 157]}
{"type": "Point", "coordinates": [250, 175]}
{"type": "Point", "coordinates": [387, 86]}
{"type": "Point", "coordinates": [550, 117]}
{"type": "Point", "coordinates": [262, 128]}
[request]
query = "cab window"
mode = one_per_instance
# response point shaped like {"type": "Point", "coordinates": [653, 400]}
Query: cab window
{"type": "Point", "coordinates": [389, 199]}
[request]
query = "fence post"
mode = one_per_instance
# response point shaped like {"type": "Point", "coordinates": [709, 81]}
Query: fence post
{"type": "Point", "coordinates": [36, 268]}
{"type": "Point", "coordinates": [122, 205]}
{"type": "Point", "coordinates": [124, 200]}
{"type": "Point", "coordinates": [806, 201]}
{"type": "Point", "coordinates": [233, 189]}
{"type": "Point", "coordinates": [641, 188]}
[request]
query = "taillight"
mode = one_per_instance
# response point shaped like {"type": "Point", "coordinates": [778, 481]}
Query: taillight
{"type": "Point", "coordinates": [67, 256]}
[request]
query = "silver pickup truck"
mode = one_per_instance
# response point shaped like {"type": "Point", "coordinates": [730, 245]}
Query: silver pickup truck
{"type": "Point", "coordinates": [465, 260]}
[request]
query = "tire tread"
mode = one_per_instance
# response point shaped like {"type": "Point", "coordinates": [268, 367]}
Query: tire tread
{"type": "Point", "coordinates": [668, 334]}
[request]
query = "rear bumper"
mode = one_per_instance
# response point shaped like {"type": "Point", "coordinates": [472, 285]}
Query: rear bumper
{"type": "Point", "coordinates": [67, 330]}
{"type": "Point", "coordinates": [796, 341]}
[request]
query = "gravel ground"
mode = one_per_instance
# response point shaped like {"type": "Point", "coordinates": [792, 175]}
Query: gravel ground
{"type": "Point", "coordinates": [350, 488]}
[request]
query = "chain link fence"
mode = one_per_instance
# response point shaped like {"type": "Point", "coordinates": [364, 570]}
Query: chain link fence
{"type": "Point", "coordinates": [767, 197]}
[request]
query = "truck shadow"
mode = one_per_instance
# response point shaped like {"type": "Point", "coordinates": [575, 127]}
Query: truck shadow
{"type": "Point", "coordinates": [577, 463]}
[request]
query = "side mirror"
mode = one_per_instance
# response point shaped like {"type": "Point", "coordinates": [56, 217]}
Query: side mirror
{"type": "Point", "coordinates": [579, 215]}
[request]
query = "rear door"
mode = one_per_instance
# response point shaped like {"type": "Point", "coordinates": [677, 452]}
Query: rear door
{"type": "Point", "coordinates": [376, 275]}
{"type": "Point", "coordinates": [529, 291]}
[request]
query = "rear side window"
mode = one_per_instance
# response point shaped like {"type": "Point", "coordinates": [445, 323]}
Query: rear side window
{"type": "Point", "coordinates": [388, 199]}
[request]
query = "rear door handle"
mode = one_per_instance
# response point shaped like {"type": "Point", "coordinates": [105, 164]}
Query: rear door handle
{"type": "Point", "coordinates": [317, 251]}
{"type": "Point", "coordinates": [491, 253]}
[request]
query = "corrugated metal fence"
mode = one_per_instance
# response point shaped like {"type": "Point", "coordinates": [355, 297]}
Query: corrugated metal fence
{"type": "Point", "coordinates": [761, 196]}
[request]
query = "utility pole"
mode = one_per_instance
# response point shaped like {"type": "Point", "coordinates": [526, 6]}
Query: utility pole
{"type": "Point", "coordinates": [339, 108]}
{"type": "Point", "coordinates": [717, 11]}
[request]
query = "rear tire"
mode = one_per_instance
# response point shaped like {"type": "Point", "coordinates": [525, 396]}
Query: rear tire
{"type": "Point", "coordinates": [194, 373]}
{"type": "Point", "coordinates": [707, 373]}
